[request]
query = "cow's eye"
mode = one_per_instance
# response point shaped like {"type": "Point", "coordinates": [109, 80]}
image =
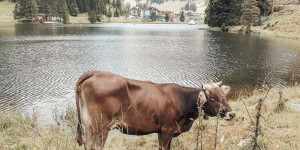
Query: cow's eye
{"type": "Point", "coordinates": [213, 98]}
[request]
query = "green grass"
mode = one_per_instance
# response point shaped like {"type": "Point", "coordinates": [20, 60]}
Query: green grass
{"type": "Point", "coordinates": [280, 130]}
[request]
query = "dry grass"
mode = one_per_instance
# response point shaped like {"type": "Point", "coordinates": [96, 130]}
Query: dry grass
{"type": "Point", "coordinates": [284, 24]}
{"type": "Point", "coordinates": [288, 22]}
{"type": "Point", "coordinates": [287, 2]}
{"type": "Point", "coordinates": [6, 11]}
{"type": "Point", "coordinates": [279, 130]}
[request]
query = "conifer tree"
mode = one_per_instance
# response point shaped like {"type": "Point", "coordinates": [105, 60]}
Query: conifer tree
{"type": "Point", "coordinates": [250, 13]}
{"type": "Point", "coordinates": [119, 5]}
{"type": "Point", "coordinates": [182, 18]}
{"type": "Point", "coordinates": [62, 10]}
{"type": "Point", "coordinates": [193, 7]}
{"type": "Point", "coordinates": [85, 5]}
{"type": "Point", "coordinates": [26, 9]}
{"type": "Point", "coordinates": [187, 6]}
{"type": "Point", "coordinates": [114, 3]}
{"type": "Point", "coordinates": [79, 5]}
{"type": "Point", "coordinates": [153, 16]}
{"type": "Point", "coordinates": [116, 13]}
{"type": "Point", "coordinates": [109, 13]}
{"type": "Point", "coordinates": [264, 6]}
{"type": "Point", "coordinates": [167, 18]}
{"type": "Point", "coordinates": [103, 7]}
{"type": "Point", "coordinates": [92, 16]}
{"type": "Point", "coordinates": [73, 8]}
{"type": "Point", "coordinates": [223, 11]}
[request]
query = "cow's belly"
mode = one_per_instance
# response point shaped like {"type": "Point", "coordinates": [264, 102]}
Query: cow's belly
{"type": "Point", "coordinates": [137, 129]}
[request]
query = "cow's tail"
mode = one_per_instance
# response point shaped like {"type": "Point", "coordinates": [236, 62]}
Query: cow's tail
{"type": "Point", "coordinates": [77, 96]}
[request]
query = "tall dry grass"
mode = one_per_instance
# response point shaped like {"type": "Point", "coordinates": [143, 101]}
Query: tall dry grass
{"type": "Point", "coordinates": [278, 128]}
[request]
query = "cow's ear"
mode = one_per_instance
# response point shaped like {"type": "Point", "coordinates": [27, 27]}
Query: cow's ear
{"type": "Point", "coordinates": [226, 89]}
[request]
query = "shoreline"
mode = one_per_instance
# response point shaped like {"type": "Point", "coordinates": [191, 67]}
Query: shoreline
{"type": "Point", "coordinates": [259, 33]}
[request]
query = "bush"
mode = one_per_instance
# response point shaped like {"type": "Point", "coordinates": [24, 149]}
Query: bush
{"type": "Point", "coordinates": [224, 28]}
{"type": "Point", "coordinates": [268, 26]}
{"type": "Point", "coordinates": [241, 29]}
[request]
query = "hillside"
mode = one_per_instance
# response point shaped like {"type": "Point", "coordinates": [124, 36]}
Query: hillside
{"type": "Point", "coordinates": [175, 5]}
{"type": "Point", "coordinates": [284, 24]}
{"type": "Point", "coordinates": [6, 11]}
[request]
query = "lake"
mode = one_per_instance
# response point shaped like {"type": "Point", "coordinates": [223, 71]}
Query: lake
{"type": "Point", "coordinates": [40, 64]}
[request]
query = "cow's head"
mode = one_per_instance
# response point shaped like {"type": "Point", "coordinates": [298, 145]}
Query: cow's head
{"type": "Point", "coordinates": [214, 96]}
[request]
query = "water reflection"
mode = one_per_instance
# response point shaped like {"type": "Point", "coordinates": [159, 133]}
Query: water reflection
{"type": "Point", "coordinates": [39, 64]}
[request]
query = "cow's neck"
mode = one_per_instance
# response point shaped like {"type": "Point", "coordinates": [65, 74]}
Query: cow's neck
{"type": "Point", "coordinates": [191, 95]}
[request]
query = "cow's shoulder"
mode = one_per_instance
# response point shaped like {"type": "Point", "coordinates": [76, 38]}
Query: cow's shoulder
{"type": "Point", "coordinates": [171, 88]}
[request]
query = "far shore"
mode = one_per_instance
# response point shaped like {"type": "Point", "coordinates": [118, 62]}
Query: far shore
{"type": "Point", "coordinates": [256, 31]}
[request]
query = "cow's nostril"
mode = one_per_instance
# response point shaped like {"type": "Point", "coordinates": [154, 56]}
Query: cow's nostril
{"type": "Point", "coordinates": [232, 115]}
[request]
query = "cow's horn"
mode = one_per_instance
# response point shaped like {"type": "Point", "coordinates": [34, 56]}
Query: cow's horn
{"type": "Point", "coordinates": [219, 83]}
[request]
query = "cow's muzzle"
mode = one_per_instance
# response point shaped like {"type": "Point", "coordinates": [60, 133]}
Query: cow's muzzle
{"type": "Point", "coordinates": [229, 115]}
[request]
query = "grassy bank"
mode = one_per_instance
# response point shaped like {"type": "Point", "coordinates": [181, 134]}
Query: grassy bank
{"type": "Point", "coordinates": [283, 25]}
{"type": "Point", "coordinates": [279, 130]}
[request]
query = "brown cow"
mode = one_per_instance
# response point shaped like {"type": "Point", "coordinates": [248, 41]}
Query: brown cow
{"type": "Point", "coordinates": [105, 101]}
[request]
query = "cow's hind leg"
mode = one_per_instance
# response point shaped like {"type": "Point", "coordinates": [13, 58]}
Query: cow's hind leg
{"type": "Point", "coordinates": [99, 132]}
{"type": "Point", "coordinates": [164, 140]}
{"type": "Point", "coordinates": [95, 141]}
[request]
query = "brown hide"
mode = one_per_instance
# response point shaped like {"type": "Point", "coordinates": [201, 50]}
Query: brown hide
{"type": "Point", "coordinates": [105, 101]}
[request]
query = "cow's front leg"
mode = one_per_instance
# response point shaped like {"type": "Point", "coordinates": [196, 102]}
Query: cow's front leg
{"type": "Point", "coordinates": [164, 140]}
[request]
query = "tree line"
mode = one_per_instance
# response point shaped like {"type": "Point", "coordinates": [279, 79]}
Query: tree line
{"type": "Point", "coordinates": [61, 9]}
{"type": "Point", "coordinates": [222, 13]}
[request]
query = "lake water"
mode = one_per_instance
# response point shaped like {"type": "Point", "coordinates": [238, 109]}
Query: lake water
{"type": "Point", "coordinates": [40, 64]}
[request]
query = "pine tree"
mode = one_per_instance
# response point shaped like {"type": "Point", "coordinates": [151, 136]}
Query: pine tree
{"type": "Point", "coordinates": [250, 13]}
{"type": "Point", "coordinates": [80, 5]}
{"type": "Point", "coordinates": [119, 5]}
{"type": "Point", "coordinates": [26, 9]}
{"type": "Point", "coordinates": [103, 7]}
{"type": "Point", "coordinates": [53, 6]}
{"type": "Point", "coordinates": [114, 3]}
{"type": "Point", "coordinates": [223, 11]}
{"type": "Point", "coordinates": [182, 18]}
{"type": "Point", "coordinates": [92, 16]}
{"type": "Point", "coordinates": [234, 14]}
{"type": "Point", "coordinates": [187, 6]}
{"type": "Point", "coordinates": [109, 13]}
{"type": "Point", "coordinates": [116, 13]}
{"type": "Point", "coordinates": [72, 6]}
{"type": "Point", "coordinates": [265, 7]}
{"type": "Point", "coordinates": [193, 7]}
{"type": "Point", "coordinates": [167, 18]}
{"type": "Point", "coordinates": [85, 5]}
{"type": "Point", "coordinates": [153, 16]}
{"type": "Point", "coordinates": [62, 11]}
